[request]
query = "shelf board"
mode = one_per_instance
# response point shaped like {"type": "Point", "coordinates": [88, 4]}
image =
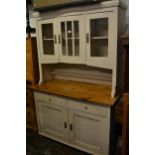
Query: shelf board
{"type": "Point", "coordinates": [70, 38]}
{"type": "Point", "coordinates": [99, 37]}
{"type": "Point", "coordinates": [48, 39]}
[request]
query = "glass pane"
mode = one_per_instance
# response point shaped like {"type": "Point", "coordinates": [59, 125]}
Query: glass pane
{"type": "Point", "coordinates": [69, 29]}
{"type": "Point", "coordinates": [48, 47]}
{"type": "Point", "coordinates": [63, 46]}
{"type": "Point", "coordinates": [48, 41]}
{"type": "Point", "coordinates": [63, 29]}
{"type": "Point", "coordinates": [76, 29]}
{"type": "Point", "coordinates": [70, 50]}
{"type": "Point", "coordinates": [63, 38]}
{"type": "Point", "coordinates": [47, 31]}
{"type": "Point", "coordinates": [76, 42]}
{"type": "Point", "coordinates": [99, 27]}
{"type": "Point", "coordinates": [99, 47]}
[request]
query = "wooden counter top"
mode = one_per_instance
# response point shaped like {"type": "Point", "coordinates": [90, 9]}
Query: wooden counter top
{"type": "Point", "coordinates": [97, 93]}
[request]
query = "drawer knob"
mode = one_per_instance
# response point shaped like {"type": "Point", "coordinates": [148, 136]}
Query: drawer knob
{"type": "Point", "coordinates": [50, 99]}
{"type": "Point", "coordinates": [86, 107]}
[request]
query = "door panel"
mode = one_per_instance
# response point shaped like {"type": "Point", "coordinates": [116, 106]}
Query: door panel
{"type": "Point", "coordinates": [72, 47]}
{"type": "Point", "coordinates": [53, 120]}
{"type": "Point", "coordinates": [89, 131]}
{"type": "Point", "coordinates": [100, 43]}
{"type": "Point", "coordinates": [48, 41]}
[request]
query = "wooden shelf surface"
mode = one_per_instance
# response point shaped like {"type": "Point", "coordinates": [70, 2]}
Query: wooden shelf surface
{"type": "Point", "coordinates": [96, 93]}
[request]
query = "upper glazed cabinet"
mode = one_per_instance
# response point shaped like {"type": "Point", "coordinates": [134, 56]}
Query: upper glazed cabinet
{"type": "Point", "coordinates": [47, 40]}
{"type": "Point", "coordinates": [61, 40]}
{"type": "Point", "coordinates": [71, 39]}
{"type": "Point", "coordinates": [83, 35]}
{"type": "Point", "coordinates": [99, 41]}
{"type": "Point", "coordinates": [85, 39]}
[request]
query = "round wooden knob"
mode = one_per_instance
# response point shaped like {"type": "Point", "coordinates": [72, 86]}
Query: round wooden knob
{"type": "Point", "coordinates": [86, 107]}
{"type": "Point", "coordinates": [50, 99]}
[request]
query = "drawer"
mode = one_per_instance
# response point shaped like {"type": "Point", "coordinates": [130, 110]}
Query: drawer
{"type": "Point", "coordinates": [48, 98]}
{"type": "Point", "coordinates": [88, 107]}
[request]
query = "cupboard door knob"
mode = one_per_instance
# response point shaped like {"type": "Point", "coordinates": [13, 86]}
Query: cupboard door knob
{"type": "Point", "coordinates": [65, 125]}
{"type": "Point", "coordinates": [71, 127]}
{"type": "Point", "coordinates": [55, 38]}
{"type": "Point", "coordinates": [86, 107]}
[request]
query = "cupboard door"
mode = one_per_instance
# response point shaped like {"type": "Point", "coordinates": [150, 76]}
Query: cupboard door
{"type": "Point", "coordinates": [99, 39]}
{"type": "Point", "coordinates": [71, 39]}
{"type": "Point", "coordinates": [52, 120]}
{"type": "Point", "coordinates": [48, 41]}
{"type": "Point", "coordinates": [89, 132]}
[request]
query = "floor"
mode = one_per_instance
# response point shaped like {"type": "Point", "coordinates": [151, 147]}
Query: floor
{"type": "Point", "coordinates": [39, 145]}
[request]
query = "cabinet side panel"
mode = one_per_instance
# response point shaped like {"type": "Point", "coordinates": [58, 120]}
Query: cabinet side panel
{"type": "Point", "coordinates": [38, 52]}
{"type": "Point", "coordinates": [115, 52]}
{"type": "Point", "coordinates": [120, 56]}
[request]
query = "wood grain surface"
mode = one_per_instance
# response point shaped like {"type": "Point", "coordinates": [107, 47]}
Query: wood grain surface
{"type": "Point", "coordinates": [99, 94]}
{"type": "Point", "coordinates": [32, 69]}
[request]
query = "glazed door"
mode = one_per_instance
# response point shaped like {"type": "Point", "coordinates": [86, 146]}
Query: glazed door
{"type": "Point", "coordinates": [71, 39]}
{"type": "Point", "coordinates": [99, 39]}
{"type": "Point", "coordinates": [48, 41]}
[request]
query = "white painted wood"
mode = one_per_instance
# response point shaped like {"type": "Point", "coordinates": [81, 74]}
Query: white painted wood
{"type": "Point", "coordinates": [105, 62]}
{"type": "Point", "coordinates": [84, 14]}
{"type": "Point", "coordinates": [114, 38]}
{"type": "Point", "coordinates": [51, 99]}
{"type": "Point", "coordinates": [81, 78]}
{"type": "Point", "coordinates": [81, 73]}
{"type": "Point", "coordinates": [89, 131]}
{"type": "Point", "coordinates": [39, 56]}
{"type": "Point", "coordinates": [73, 59]}
{"type": "Point", "coordinates": [48, 58]}
{"type": "Point", "coordinates": [88, 107]}
{"type": "Point", "coordinates": [90, 123]}
{"type": "Point", "coordinates": [51, 118]}
{"type": "Point", "coordinates": [76, 72]}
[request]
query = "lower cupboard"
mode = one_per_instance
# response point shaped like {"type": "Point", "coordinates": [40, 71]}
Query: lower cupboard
{"type": "Point", "coordinates": [79, 124]}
